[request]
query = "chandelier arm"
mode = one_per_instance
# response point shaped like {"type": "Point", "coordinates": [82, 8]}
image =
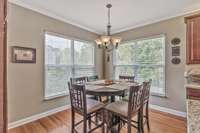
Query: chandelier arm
{"type": "Point", "coordinates": [110, 49]}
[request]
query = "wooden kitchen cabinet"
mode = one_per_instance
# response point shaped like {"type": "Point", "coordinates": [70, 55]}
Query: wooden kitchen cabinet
{"type": "Point", "coordinates": [193, 93]}
{"type": "Point", "coordinates": [3, 107]}
{"type": "Point", "coordinates": [193, 39]}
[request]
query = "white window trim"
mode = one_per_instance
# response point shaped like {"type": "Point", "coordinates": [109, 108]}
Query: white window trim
{"type": "Point", "coordinates": [73, 66]}
{"type": "Point", "coordinates": [142, 39]}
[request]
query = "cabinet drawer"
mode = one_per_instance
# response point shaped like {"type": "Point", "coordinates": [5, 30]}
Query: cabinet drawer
{"type": "Point", "coordinates": [193, 94]}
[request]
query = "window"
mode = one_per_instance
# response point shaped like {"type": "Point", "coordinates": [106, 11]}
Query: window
{"type": "Point", "coordinates": [84, 59]}
{"type": "Point", "coordinates": [65, 58]}
{"type": "Point", "coordinates": [145, 59]}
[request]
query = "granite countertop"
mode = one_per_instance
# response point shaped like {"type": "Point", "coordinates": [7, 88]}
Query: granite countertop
{"type": "Point", "coordinates": [193, 116]}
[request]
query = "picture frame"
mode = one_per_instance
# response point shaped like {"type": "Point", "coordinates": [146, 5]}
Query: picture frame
{"type": "Point", "coordinates": [176, 60]}
{"type": "Point", "coordinates": [23, 54]}
{"type": "Point", "coordinates": [176, 51]}
{"type": "Point", "coordinates": [176, 41]}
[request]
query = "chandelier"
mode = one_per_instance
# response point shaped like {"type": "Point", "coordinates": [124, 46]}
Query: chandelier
{"type": "Point", "coordinates": [108, 42]}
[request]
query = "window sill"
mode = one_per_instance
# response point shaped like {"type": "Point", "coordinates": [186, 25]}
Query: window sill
{"type": "Point", "coordinates": [46, 98]}
{"type": "Point", "coordinates": [159, 95]}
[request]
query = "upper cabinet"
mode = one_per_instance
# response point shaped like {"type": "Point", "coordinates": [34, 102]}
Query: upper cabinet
{"type": "Point", "coordinates": [193, 39]}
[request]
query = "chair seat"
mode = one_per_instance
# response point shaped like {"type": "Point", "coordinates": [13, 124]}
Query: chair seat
{"type": "Point", "coordinates": [119, 107]}
{"type": "Point", "coordinates": [93, 106]}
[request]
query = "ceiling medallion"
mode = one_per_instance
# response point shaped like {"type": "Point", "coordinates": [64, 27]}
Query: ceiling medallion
{"type": "Point", "coordinates": [108, 42]}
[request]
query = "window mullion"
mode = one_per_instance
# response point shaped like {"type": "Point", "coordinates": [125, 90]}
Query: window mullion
{"type": "Point", "coordinates": [135, 60]}
{"type": "Point", "coordinates": [72, 58]}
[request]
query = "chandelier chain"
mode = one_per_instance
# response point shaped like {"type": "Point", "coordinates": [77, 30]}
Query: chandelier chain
{"type": "Point", "coordinates": [108, 16]}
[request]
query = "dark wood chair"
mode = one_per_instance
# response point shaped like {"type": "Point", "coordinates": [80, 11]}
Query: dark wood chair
{"type": "Point", "coordinates": [84, 107]}
{"type": "Point", "coordinates": [93, 78]}
{"type": "Point", "coordinates": [145, 119]}
{"type": "Point", "coordinates": [82, 80]}
{"type": "Point", "coordinates": [127, 78]}
{"type": "Point", "coordinates": [126, 110]}
{"type": "Point", "coordinates": [79, 80]}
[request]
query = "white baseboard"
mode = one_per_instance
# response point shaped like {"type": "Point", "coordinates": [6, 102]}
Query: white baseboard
{"type": "Point", "coordinates": [36, 117]}
{"type": "Point", "coordinates": [53, 111]}
{"type": "Point", "coordinates": [168, 110]}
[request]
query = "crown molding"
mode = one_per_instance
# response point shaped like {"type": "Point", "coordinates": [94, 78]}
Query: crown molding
{"type": "Point", "coordinates": [52, 15]}
{"type": "Point", "coordinates": [187, 11]}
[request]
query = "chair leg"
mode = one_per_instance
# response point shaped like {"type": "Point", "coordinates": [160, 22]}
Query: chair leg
{"type": "Point", "coordinates": [85, 124]}
{"type": "Point", "coordinates": [119, 127]}
{"type": "Point", "coordinates": [96, 118]}
{"type": "Point", "coordinates": [90, 122]}
{"type": "Point", "coordinates": [100, 98]}
{"type": "Point", "coordinates": [147, 115]}
{"type": "Point", "coordinates": [141, 120]}
{"type": "Point", "coordinates": [108, 121]}
{"type": "Point", "coordinates": [73, 121]}
{"type": "Point", "coordinates": [129, 125]}
{"type": "Point", "coordinates": [103, 121]}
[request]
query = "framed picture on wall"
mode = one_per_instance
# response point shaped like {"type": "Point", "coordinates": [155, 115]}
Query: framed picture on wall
{"type": "Point", "coordinates": [176, 51]}
{"type": "Point", "coordinates": [23, 55]}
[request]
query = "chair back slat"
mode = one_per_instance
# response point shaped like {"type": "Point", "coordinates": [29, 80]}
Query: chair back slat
{"type": "Point", "coordinates": [93, 78]}
{"type": "Point", "coordinates": [147, 86]}
{"type": "Point", "coordinates": [127, 78]}
{"type": "Point", "coordinates": [79, 80]}
{"type": "Point", "coordinates": [135, 99]}
{"type": "Point", "coordinates": [78, 97]}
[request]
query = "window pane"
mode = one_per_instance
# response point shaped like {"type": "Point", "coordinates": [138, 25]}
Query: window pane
{"type": "Point", "coordinates": [57, 71]}
{"type": "Point", "coordinates": [65, 59]}
{"type": "Point", "coordinates": [125, 54]}
{"type": "Point", "coordinates": [145, 59]}
{"type": "Point", "coordinates": [56, 80]}
{"type": "Point", "coordinates": [124, 70]}
{"type": "Point", "coordinates": [57, 50]}
{"type": "Point", "coordinates": [150, 51]}
{"type": "Point", "coordinates": [79, 72]}
{"type": "Point", "coordinates": [83, 53]}
{"type": "Point", "coordinates": [156, 74]}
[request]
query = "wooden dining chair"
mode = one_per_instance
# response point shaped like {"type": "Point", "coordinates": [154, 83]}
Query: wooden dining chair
{"type": "Point", "coordinates": [95, 78]}
{"type": "Point", "coordinates": [79, 80]}
{"type": "Point", "coordinates": [145, 119]}
{"type": "Point", "coordinates": [126, 110]}
{"type": "Point", "coordinates": [82, 80]}
{"type": "Point", "coordinates": [127, 78]}
{"type": "Point", "coordinates": [84, 107]}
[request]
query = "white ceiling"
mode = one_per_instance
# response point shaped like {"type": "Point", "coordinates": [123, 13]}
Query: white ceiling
{"type": "Point", "coordinates": [125, 14]}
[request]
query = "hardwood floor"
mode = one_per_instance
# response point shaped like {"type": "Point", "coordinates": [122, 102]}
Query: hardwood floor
{"type": "Point", "coordinates": [60, 123]}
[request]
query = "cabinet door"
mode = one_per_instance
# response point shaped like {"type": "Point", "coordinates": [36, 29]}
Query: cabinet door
{"type": "Point", "coordinates": [3, 66]}
{"type": "Point", "coordinates": [193, 41]}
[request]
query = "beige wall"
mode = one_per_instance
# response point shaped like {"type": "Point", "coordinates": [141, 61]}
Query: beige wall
{"type": "Point", "coordinates": [176, 93]}
{"type": "Point", "coordinates": [26, 81]}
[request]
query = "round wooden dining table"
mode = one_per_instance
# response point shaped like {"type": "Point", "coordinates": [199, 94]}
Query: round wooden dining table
{"type": "Point", "coordinates": [99, 88]}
